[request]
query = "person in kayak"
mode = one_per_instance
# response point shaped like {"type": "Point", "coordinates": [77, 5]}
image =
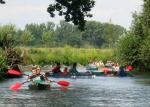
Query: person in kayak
{"type": "Point", "coordinates": [38, 73]}
{"type": "Point", "coordinates": [122, 72]}
{"type": "Point", "coordinates": [46, 77]}
{"type": "Point", "coordinates": [34, 73]}
{"type": "Point", "coordinates": [73, 69]}
{"type": "Point", "coordinates": [65, 72]}
{"type": "Point", "coordinates": [56, 70]}
{"type": "Point", "coordinates": [38, 70]}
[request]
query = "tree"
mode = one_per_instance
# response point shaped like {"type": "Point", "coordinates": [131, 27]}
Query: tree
{"type": "Point", "coordinates": [26, 37]}
{"type": "Point", "coordinates": [112, 34]}
{"type": "Point", "coordinates": [73, 10]}
{"type": "Point", "coordinates": [50, 26]}
{"type": "Point", "coordinates": [2, 2]}
{"type": "Point", "coordinates": [7, 36]}
{"type": "Point", "coordinates": [47, 38]}
{"type": "Point", "coordinates": [138, 55]}
{"type": "Point", "coordinates": [92, 34]}
{"type": "Point", "coordinates": [36, 30]}
{"type": "Point", "coordinates": [127, 52]}
{"type": "Point", "coordinates": [101, 34]}
{"type": "Point", "coordinates": [65, 34]}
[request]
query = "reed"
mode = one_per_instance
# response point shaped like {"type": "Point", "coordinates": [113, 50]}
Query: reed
{"type": "Point", "coordinates": [66, 55]}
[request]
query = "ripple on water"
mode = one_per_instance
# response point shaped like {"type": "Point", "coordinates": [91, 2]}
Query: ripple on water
{"type": "Point", "coordinates": [98, 92]}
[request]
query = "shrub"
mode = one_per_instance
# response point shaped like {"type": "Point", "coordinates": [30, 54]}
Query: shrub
{"type": "Point", "coordinates": [3, 63]}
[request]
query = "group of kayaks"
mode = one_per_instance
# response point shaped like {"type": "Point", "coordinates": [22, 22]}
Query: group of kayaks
{"type": "Point", "coordinates": [43, 85]}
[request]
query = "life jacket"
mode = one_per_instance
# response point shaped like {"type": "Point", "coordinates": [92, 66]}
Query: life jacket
{"type": "Point", "coordinates": [56, 69]}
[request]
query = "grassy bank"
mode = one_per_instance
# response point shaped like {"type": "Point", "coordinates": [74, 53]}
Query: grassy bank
{"type": "Point", "coordinates": [66, 55]}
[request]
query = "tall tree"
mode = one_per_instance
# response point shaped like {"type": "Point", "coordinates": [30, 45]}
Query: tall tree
{"type": "Point", "coordinates": [65, 34]}
{"type": "Point", "coordinates": [93, 34]}
{"type": "Point", "coordinates": [7, 36]}
{"type": "Point", "coordinates": [139, 44]}
{"type": "Point", "coordinates": [2, 2]}
{"type": "Point", "coordinates": [26, 37]}
{"type": "Point", "coordinates": [47, 38]}
{"type": "Point", "coordinates": [37, 31]}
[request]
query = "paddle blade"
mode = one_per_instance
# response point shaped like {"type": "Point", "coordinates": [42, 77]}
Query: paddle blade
{"type": "Point", "coordinates": [15, 87]}
{"type": "Point", "coordinates": [63, 83]}
{"type": "Point", "coordinates": [14, 72]}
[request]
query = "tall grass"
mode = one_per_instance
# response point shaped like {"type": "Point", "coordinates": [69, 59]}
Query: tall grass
{"type": "Point", "coordinates": [66, 55]}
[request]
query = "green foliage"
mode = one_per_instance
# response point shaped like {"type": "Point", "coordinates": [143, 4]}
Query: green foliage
{"type": "Point", "coordinates": [111, 34]}
{"type": "Point", "coordinates": [127, 49]}
{"type": "Point", "coordinates": [67, 55]}
{"type": "Point", "coordinates": [3, 63]}
{"type": "Point", "coordinates": [47, 38]}
{"type": "Point", "coordinates": [96, 35]}
{"type": "Point", "coordinates": [134, 48]}
{"type": "Point", "coordinates": [7, 36]}
{"type": "Point", "coordinates": [67, 34]}
{"type": "Point", "coordinates": [26, 37]}
{"type": "Point", "coordinates": [93, 34]}
{"type": "Point", "coordinates": [144, 52]}
{"type": "Point", "coordinates": [72, 10]}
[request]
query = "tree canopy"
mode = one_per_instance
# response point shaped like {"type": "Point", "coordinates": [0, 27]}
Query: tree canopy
{"type": "Point", "coordinates": [48, 34]}
{"type": "Point", "coordinates": [2, 2]}
{"type": "Point", "coordinates": [74, 11]}
{"type": "Point", "coordinates": [134, 47]}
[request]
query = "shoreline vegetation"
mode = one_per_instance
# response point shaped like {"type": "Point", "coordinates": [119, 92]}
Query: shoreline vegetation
{"type": "Point", "coordinates": [66, 55]}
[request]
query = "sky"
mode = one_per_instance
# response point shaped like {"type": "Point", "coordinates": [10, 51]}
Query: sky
{"type": "Point", "coordinates": [22, 12]}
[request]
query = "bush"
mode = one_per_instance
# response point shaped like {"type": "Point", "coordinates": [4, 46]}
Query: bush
{"type": "Point", "coordinates": [66, 55]}
{"type": "Point", "coordinates": [144, 53]}
{"type": "Point", "coordinates": [3, 63]}
{"type": "Point", "coordinates": [127, 50]}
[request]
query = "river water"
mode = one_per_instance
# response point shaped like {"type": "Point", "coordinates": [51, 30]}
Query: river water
{"type": "Point", "coordinates": [83, 92]}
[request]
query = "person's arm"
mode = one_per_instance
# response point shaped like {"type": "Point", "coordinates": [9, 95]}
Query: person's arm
{"type": "Point", "coordinates": [30, 78]}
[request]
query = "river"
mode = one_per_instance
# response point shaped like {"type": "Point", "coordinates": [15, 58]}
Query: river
{"type": "Point", "coordinates": [83, 92]}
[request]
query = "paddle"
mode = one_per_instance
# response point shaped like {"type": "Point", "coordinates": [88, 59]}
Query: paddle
{"type": "Point", "coordinates": [17, 86]}
{"type": "Point", "coordinates": [63, 83]}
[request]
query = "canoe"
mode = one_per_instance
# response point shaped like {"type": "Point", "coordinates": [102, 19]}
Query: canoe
{"type": "Point", "coordinates": [39, 86]}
